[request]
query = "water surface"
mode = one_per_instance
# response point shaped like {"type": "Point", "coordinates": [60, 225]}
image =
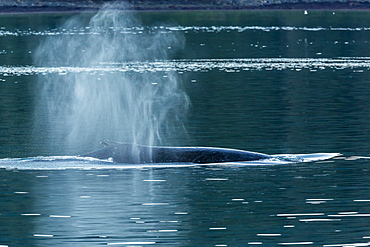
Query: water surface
{"type": "Point", "coordinates": [274, 82]}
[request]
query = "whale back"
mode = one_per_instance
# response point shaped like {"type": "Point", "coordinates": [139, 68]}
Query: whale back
{"type": "Point", "coordinates": [140, 154]}
{"type": "Point", "coordinates": [203, 155]}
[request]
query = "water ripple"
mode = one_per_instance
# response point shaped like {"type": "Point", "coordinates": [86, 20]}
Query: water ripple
{"type": "Point", "coordinates": [179, 28]}
{"type": "Point", "coordinates": [200, 65]}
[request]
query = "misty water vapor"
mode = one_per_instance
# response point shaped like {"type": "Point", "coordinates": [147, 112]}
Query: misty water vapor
{"type": "Point", "coordinates": [77, 110]}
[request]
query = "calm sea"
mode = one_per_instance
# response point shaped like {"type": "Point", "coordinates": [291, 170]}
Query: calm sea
{"type": "Point", "coordinates": [276, 82]}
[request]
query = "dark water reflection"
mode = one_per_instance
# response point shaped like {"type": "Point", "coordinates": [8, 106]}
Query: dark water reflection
{"type": "Point", "coordinates": [294, 109]}
{"type": "Point", "coordinates": [322, 110]}
{"type": "Point", "coordinates": [322, 203]}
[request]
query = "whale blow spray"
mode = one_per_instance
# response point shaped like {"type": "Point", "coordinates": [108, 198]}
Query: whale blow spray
{"type": "Point", "coordinates": [94, 100]}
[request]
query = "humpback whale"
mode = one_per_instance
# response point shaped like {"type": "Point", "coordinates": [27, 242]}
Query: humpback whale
{"type": "Point", "coordinates": [139, 154]}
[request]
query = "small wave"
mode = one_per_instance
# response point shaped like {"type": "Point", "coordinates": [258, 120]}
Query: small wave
{"type": "Point", "coordinates": [198, 65]}
{"type": "Point", "coordinates": [52, 163]}
{"type": "Point", "coordinates": [141, 29]}
{"type": "Point", "coordinates": [50, 158]}
{"type": "Point", "coordinates": [306, 157]}
{"type": "Point", "coordinates": [262, 28]}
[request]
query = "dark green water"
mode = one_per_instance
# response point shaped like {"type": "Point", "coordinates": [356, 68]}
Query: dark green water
{"type": "Point", "coordinates": [272, 82]}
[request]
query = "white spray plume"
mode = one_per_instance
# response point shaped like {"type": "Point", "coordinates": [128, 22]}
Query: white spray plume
{"type": "Point", "coordinates": [77, 110]}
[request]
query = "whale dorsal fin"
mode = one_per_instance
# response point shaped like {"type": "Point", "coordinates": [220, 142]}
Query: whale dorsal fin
{"type": "Point", "coordinates": [107, 143]}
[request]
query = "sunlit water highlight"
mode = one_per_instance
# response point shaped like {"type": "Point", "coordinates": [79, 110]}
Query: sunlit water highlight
{"type": "Point", "coordinates": [78, 30]}
{"type": "Point", "coordinates": [192, 65]}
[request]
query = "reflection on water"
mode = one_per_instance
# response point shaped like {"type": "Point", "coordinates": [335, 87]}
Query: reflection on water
{"type": "Point", "coordinates": [140, 29]}
{"type": "Point", "coordinates": [311, 203]}
{"type": "Point", "coordinates": [272, 82]}
{"type": "Point", "coordinates": [356, 64]}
